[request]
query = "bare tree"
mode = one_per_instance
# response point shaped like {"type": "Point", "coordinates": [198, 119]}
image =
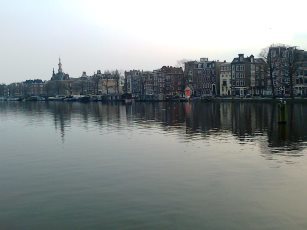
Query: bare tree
{"type": "Point", "coordinates": [96, 80]}
{"type": "Point", "coordinates": [106, 77]}
{"type": "Point", "coordinates": [294, 61]}
{"type": "Point", "coordinates": [2, 90]}
{"type": "Point", "coordinates": [271, 62]}
{"type": "Point", "coordinates": [47, 88]}
{"type": "Point", "coordinates": [25, 89]}
{"type": "Point", "coordinates": [84, 86]}
{"type": "Point", "coordinates": [181, 62]}
{"type": "Point", "coordinates": [13, 90]}
{"type": "Point", "coordinates": [290, 60]}
{"type": "Point", "coordinates": [116, 77]}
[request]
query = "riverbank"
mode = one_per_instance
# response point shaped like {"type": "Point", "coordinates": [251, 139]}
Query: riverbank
{"type": "Point", "coordinates": [98, 98]}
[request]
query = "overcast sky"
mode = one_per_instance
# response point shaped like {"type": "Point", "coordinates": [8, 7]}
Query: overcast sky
{"type": "Point", "coordinates": [137, 34]}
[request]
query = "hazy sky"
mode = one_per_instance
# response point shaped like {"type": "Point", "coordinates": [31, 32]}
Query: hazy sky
{"type": "Point", "coordinates": [89, 35]}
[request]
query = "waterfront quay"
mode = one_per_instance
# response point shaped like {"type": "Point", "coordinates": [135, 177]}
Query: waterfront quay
{"type": "Point", "coordinates": [121, 98]}
{"type": "Point", "coordinates": [281, 72]}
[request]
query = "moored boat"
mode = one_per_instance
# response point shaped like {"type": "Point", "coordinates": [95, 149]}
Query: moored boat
{"type": "Point", "coordinates": [84, 99]}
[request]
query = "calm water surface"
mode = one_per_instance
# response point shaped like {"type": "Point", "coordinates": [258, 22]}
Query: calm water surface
{"type": "Point", "coordinates": [152, 166]}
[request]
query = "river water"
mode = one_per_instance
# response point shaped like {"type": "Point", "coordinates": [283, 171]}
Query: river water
{"type": "Point", "coordinates": [152, 166]}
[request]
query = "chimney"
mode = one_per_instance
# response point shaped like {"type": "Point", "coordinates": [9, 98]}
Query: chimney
{"type": "Point", "coordinates": [252, 58]}
{"type": "Point", "coordinates": [241, 57]}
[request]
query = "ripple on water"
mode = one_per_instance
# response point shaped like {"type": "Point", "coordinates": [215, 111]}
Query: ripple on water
{"type": "Point", "coordinates": [151, 166]}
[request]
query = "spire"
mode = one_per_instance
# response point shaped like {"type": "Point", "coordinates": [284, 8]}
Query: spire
{"type": "Point", "coordinates": [60, 66]}
{"type": "Point", "coordinates": [53, 72]}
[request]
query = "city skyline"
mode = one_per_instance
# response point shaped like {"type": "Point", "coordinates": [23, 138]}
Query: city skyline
{"type": "Point", "coordinates": [137, 35]}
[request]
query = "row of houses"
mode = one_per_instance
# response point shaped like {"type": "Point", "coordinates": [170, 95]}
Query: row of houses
{"type": "Point", "coordinates": [282, 71]}
{"type": "Point", "coordinates": [107, 83]}
{"type": "Point", "coordinates": [160, 84]}
{"type": "Point", "coordinates": [92, 85]}
{"type": "Point", "coordinates": [205, 78]}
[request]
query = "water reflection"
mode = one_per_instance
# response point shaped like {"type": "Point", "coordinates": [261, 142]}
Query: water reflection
{"type": "Point", "coordinates": [247, 122]}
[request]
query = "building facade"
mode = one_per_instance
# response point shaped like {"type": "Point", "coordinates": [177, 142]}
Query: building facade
{"type": "Point", "coordinates": [148, 90]}
{"type": "Point", "coordinates": [203, 77]}
{"type": "Point", "coordinates": [168, 82]}
{"type": "Point", "coordinates": [248, 76]}
{"type": "Point", "coordinates": [300, 77]}
{"type": "Point", "coordinates": [133, 83]}
{"type": "Point", "coordinates": [225, 79]}
{"type": "Point", "coordinates": [287, 66]}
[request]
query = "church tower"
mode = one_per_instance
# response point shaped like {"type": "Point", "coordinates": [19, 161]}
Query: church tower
{"type": "Point", "coordinates": [60, 75]}
{"type": "Point", "coordinates": [60, 66]}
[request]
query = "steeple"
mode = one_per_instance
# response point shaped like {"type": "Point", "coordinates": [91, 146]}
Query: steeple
{"type": "Point", "coordinates": [60, 66]}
